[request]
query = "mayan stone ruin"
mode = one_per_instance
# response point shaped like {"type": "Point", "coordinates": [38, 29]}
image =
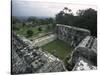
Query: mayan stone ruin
{"type": "Point", "coordinates": [29, 57]}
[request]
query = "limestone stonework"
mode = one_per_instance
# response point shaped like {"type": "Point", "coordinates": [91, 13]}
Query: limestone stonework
{"type": "Point", "coordinates": [71, 34]}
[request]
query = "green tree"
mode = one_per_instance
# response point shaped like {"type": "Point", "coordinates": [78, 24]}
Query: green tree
{"type": "Point", "coordinates": [29, 33]}
{"type": "Point", "coordinates": [65, 17]}
{"type": "Point", "coordinates": [40, 29]}
{"type": "Point", "coordinates": [87, 19]}
{"type": "Point", "coordinates": [23, 24]}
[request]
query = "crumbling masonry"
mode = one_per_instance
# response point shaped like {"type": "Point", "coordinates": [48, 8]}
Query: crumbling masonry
{"type": "Point", "coordinates": [28, 58]}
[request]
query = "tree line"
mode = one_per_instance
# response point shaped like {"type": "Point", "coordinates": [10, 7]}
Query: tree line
{"type": "Point", "coordinates": [84, 19]}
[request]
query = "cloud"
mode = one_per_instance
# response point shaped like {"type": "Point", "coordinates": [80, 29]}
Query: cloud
{"type": "Point", "coordinates": [33, 8]}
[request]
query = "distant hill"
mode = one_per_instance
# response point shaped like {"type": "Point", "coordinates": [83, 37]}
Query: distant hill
{"type": "Point", "coordinates": [24, 18]}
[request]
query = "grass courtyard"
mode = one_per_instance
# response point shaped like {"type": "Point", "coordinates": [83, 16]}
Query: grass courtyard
{"type": "Point", "coordinates": [58, 48]}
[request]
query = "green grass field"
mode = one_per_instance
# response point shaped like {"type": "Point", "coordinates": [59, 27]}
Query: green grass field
{"type": "Point", "coordinates": [58, 48]}
{"type": "Point", "coordinates": [23, 30]}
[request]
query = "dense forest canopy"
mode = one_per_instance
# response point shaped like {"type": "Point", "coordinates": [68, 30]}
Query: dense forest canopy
{"type": "Point", "coordinates": [84, 19]}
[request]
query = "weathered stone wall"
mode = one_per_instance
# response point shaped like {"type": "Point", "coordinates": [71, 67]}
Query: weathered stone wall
{"type": "Point", "coordinates": [71, 34]}
{"type": "Point", "coordinates": [83, 64]}
{"type": "Point", "coordinates": [44, 40]}
{"type": "Point", "coordinates": [18, 63]}
{"type": "Point", "coordinates": [30, 59]}
{"type": "Point", "coordinates": [86, 50]}
{"type": "Point", "coordinates": [88, 54]}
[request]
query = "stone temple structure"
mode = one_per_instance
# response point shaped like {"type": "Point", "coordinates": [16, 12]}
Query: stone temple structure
{"type": "Point", "coordinates": [84, 56]}
{"type": "Point", "coordinates": [28, 57]}
{"type": "Point", "coordinates": [71, 34]}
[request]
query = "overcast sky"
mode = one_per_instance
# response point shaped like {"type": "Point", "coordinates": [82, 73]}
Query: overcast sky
{"type": "Point", "coordinates": [47, 9]}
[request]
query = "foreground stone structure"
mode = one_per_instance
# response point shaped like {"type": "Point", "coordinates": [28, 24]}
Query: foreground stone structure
{"type": "Point", "coordinates": [30, 59]}
{"type": "Point", "coordinates": [85, 54]}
